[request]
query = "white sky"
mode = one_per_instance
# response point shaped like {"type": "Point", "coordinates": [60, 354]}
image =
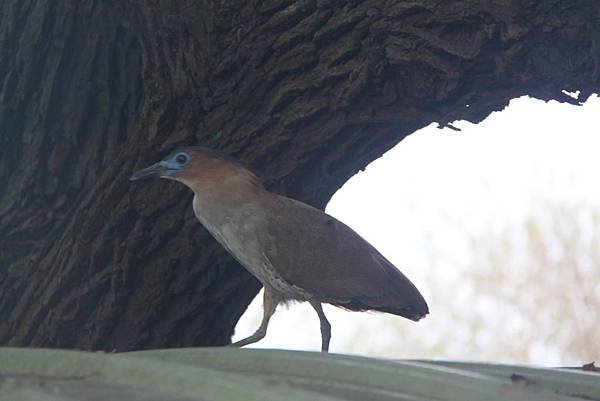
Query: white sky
{"type": "Point", "coordinates": [423, 196]}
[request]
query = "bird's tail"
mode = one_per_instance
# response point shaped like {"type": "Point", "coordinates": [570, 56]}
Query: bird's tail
{"type": "Point", "coordinates": [411, 312]}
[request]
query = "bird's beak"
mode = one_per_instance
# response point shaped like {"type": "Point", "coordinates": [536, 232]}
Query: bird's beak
{"type": "Point", "coordinates": [160, 169]}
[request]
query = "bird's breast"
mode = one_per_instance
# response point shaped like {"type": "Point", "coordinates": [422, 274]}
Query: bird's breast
{"type": "Point", "coordinates": [237, 229]}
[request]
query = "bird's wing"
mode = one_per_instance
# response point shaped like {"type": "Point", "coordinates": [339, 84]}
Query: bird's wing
{"type": "Point", "coordinates": [326, 258]}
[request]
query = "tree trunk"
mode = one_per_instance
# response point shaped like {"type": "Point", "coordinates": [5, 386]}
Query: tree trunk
{"type": "Point", "coordinates": [308, 91]}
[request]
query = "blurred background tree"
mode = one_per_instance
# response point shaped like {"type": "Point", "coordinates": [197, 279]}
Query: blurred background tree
{"type": "Point", "coordinates": [537, 290]}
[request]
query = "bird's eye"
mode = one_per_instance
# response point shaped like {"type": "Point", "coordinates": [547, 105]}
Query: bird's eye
{"type": "Point", "coordinates": [182, 158]}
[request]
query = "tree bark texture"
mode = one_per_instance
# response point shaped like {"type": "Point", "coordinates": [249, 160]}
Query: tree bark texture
{"type": "Point", "coordinates": [309, 91]}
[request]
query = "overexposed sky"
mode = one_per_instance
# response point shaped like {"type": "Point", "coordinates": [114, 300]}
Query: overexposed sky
{"type": "Point", "coordinates": [428, 199]}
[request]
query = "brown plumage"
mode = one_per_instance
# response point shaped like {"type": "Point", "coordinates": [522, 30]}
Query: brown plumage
{"type": "Point", "coordinates": [297, 251]}
{"type": "Point", "coordinates": [326, 258]}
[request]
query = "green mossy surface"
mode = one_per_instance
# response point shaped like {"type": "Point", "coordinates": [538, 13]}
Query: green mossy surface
{"type": "Point", "coordinates": [226, 374]}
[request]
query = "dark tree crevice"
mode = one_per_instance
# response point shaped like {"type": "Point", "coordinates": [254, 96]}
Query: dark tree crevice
{"type": "Point", "coordinates": [310, 92]}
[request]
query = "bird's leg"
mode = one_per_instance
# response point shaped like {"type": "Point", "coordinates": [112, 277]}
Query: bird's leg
{"type": "Point", "coordinates": [325, 326]}
{"type": "Point", "coordinates": [270, 302]}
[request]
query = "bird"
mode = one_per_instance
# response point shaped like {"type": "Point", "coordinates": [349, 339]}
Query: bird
{"type": "Point", "coordinates": [296, 251]}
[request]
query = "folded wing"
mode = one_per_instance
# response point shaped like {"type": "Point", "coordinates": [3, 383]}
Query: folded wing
{"type": "Point", "coordinates": [326, 258]}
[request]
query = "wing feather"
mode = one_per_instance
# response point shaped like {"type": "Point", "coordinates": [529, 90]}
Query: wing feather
{"type": "Point", "coordinates": [326, 258]}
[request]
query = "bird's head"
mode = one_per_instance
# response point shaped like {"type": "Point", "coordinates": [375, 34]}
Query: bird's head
{"type": "Point", "coordinates": [197, 166]}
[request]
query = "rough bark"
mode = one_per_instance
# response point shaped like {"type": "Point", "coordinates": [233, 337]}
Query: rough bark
{"type": "Point", "coordinates": [309, 91]}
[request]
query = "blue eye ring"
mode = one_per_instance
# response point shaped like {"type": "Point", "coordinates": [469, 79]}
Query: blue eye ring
{"type": "Point", "coordinates": [182, 158]}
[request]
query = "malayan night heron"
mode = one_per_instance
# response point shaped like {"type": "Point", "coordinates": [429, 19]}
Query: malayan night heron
{"type": "Point", "coordinates": [296, 251]}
